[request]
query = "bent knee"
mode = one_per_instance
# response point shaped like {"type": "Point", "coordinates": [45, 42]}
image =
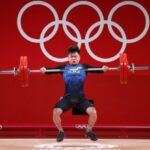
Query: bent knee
{"type": "Point", "coordinates": [91, 111]}
{"type": "Point", "coordinates": [57, 111]}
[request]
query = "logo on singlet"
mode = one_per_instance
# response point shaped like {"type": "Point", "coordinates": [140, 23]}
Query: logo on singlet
{"type": "Point", "coordinates": [75, 70]}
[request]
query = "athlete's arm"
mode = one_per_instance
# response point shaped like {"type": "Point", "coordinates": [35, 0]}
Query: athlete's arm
{"type": "Point", "coordinates": [88, 67]}
{"type": "Point", "coordinates": [55, 70]}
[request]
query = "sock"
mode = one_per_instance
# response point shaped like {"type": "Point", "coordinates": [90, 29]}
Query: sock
{"type": "Point", "coordinates": [61, 130]}
{"type": "Point", "coordinates": [88, 129]}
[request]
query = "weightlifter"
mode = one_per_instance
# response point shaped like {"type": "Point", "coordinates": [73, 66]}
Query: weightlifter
{"type": "Point", "coordinates": [74, 77]}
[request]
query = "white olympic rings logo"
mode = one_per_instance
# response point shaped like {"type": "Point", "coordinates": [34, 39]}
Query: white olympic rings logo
{"type": "Point", "coordinates": [80, 126]}
{"type": "Point", "coordinates": [87, 38]}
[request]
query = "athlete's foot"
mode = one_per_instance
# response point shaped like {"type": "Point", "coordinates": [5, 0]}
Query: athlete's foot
{"type": "Point", "coordinates": [91, 135]}
{"type": "Point", "coordinates": [60, 136]}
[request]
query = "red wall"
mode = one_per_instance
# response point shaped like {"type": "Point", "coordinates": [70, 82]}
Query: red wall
{"type": "Point", "coordinates": [116, 104]}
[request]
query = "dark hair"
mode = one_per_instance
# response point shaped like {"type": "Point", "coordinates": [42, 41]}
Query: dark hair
{"type": "Point", "coordinates": [73, 49]}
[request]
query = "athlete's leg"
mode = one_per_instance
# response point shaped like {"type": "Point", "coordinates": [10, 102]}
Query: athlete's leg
{"type": "Point", "coordinates": [61, 106]}
{"type": "Point", "coordinates": [91, 111]}
{"type": "Point", "coordinates": [57, 119]}
{"type": "Point", "coordinates": [87, 106]}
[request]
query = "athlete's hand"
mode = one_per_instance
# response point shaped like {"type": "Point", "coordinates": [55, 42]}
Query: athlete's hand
{"type": "Point", "coordinates": [105, 68]}
{"type": "Point", "coordinates": [43, 70]}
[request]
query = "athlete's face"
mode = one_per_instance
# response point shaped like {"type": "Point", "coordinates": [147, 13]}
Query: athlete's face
{"type": "Point", "coordinates": [73, 58]}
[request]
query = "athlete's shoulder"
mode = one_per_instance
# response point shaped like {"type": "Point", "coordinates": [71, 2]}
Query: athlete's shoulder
{"type": "Point", "coordinates": [86, 66]}
{"type": "Point", "coordinates": [61, 66]}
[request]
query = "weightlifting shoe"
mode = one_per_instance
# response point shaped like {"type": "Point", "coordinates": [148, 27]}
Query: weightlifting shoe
{"type": "Point", "coordinates": [91, 135]}
{"type": "Point", "coordinates": [60, 136]}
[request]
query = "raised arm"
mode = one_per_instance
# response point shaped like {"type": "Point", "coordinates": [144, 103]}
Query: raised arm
{"type": "Point", "coordinates": [92, 69]}
{"type": "Point", "coordinates": [58, 69]}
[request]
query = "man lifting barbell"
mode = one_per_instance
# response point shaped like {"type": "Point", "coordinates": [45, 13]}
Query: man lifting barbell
{"type": "Point", "coordinates": [23, 71]}
{"type": "Point", "coordinates": [74, 77]}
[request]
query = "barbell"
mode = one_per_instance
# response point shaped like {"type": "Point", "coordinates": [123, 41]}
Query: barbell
{"type": "Point", "coordinates": [23, 70]}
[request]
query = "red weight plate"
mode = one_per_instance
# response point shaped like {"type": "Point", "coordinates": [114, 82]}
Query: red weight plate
{"type": "Point", "coordinates": [121, 68]}
{"type": "Point", "coordinates": [26, 77]}
{"type": "Point", "coordinates": [23, 71]}
{"type": "Point", "coordinates": [125, 68]}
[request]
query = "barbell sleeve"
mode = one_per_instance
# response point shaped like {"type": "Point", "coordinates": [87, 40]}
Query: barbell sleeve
{"type": "Point", "coordinates": [141, 68]}
{"type": "Point", "coordinates": [6, 71]}
{"type": "Point", "coordinates": [14, 71]}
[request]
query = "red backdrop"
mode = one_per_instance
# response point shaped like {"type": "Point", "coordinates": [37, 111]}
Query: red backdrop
{"type": "Point", "coordinates": [116, 104]}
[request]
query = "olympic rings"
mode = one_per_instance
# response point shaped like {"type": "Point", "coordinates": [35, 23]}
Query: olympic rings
{"type": "Point", "coordinates": [111, 58]}
{"type": "Point", "coordinates": [101, 17]}
{"type": "Point", "coordinates": [42, 39]}
{"type": "Point", "coordinates": [147, 22]}
{"type": "Point", "coordinates": [24, 8]}
{"type": "Point", "coordinates": [64, 22]}
{"type": "Point", "coordinates": [80, 126]}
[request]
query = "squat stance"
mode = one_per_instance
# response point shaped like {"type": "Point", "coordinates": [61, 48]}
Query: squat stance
{"type": "Point", "coordinates": [74, 77]}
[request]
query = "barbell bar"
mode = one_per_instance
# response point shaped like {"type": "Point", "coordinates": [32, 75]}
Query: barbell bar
{"type": "Point", "coordinates": [93, 69]}
{"type": "Point", "coordinates": [16, 71]}
{"type": "Point", "coordinates": [23, 70]}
